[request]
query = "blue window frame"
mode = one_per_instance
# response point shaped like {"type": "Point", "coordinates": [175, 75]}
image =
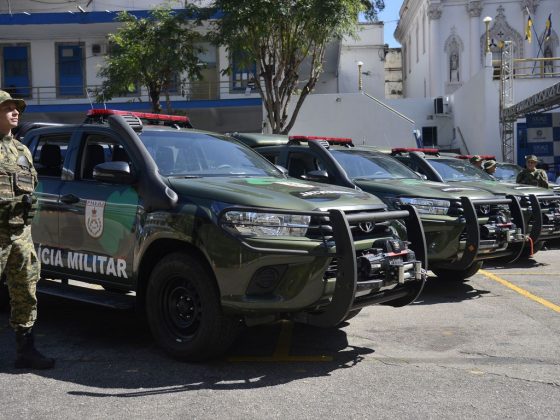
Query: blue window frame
{"type": "Point", "coordinates": [15, 70]}
{"type": "Point", "coordinates": [70, 69]}
{"type": "Point", "coordinates": [242, 73]}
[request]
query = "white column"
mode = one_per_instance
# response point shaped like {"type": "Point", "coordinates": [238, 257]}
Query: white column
{"type": "Point", "coordinates": [436, 52]}
{"type": "Point", "coordinates": [474, 8]}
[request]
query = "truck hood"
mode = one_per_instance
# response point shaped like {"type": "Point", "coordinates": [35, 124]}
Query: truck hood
{"type": "Point", "coordinates": [420, 188]}
{"type": "Point", "coordinates": [507, 188]}
{"type": "Point", "coordinates": [270, 192]}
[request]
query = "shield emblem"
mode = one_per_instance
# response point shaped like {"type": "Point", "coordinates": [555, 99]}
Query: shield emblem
{"type": "Point", "coordinates": [94, 217]}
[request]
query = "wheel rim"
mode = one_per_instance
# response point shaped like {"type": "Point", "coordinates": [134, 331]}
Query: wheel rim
{"type": "Point", "coordinates": [181, 307]}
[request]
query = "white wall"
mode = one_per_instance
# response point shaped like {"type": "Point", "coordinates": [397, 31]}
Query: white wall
{"type": "Point", "coordinates": [368, 49]}
{"type": "Point", "coordinates": [353, 115]}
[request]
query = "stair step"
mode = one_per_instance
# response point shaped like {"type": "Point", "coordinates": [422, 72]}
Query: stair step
{"type": "Point", "coordinates": [84, 294]}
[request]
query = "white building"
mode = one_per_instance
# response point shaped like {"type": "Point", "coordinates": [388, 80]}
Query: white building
{"type": "Point", "coordinates": [444, 43]}
{"type": "Point", "coordinates": [51, 51]}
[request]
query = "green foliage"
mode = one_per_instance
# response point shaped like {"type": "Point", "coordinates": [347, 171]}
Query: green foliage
{"type": "Point", "coordinates": [372, 8]}
{"type": "Point", "coordinates": [151, 52]}
{"type": "Point", "coordinates": [278, 35]}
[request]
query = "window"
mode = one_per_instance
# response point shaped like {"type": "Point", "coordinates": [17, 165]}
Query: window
{"type": "Point", "coordinates": [70, 69]}
{"type": "Point", "coordinates": [15, 70]}
{"type": "Point", "coordinates": [424, 34]}
{"type": "Point", "coordinates": [242, 72]}
{"type": "Point", "coordinates": [409, 54]}
{"type": "Point", "coordinates": [429, 136]}
{"type": "Point", "coordinates": [417, 44]}
{"type": "Point", "coordinates": [100, 149]}
{"type": "Point", "coordinates": [49, 155]}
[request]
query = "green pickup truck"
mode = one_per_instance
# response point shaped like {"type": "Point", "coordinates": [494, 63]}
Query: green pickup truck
{"type": "Point", "coordinates": [540, 206]}
{"type": "Point", "coordinates": [464, 225]}
{"type": "Point", "coordinates": [203, 235]}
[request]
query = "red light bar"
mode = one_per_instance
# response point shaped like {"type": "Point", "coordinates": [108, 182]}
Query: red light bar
{"type": "Point", "coordinates": [333, 140]}
{"type": "Point", "coordinates": [484, 157]}
{"type": "Point", "coordinates": [414, 149]}
{"type": "Point", "coordinates": [144, 115]}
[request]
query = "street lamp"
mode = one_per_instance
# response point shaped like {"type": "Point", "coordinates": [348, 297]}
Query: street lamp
{"type": "Point", "coordinates": [360, 64]}
{"type": "Point", "coordinates": [487, 21]}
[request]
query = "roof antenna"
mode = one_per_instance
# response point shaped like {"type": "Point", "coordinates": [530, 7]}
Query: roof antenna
{"type": "Point", "coordinates": [88, 91]}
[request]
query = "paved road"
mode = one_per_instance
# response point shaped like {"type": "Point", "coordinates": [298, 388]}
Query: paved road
{"type": "Point", "coordinates": [488, 348]}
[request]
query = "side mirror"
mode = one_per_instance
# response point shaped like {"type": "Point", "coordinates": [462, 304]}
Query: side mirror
{"type": "Point", "coordinates": [113, 173]}
{"type": "Point", "coordinates": [317, 176]}
{"type": "Point", "coordinates": [282, 169]}
{"type": "Point", "coordinates": [424, 177]}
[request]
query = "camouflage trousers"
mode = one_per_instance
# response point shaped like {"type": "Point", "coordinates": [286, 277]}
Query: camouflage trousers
{"type": "Point", "coordinates": [18, 261]}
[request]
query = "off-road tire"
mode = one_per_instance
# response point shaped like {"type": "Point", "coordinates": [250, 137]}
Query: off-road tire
{"type": "Point", "coordinates": [184, 312]}
{"type": "Point", "coordinates": [352, 314]}
{"type": "Point", "coordinates": [458, 275]}
{"type": "Point", "coordinates": [526, 253]}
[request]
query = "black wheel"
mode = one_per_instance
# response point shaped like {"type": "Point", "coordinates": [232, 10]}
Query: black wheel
{"type": "Point", "coordinates": [184, 312]}
{"type": "Point", "coordinates": [4, 296]}
{"type": "Point", "coordinates": [527, 250]}
{"type": "Point", "coordinates": [458, 275]}
{"type": "Point", "coordinates": [352, 314]}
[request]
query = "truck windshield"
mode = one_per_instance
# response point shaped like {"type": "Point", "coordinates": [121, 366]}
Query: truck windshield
{"type": "Point", "coordinates": [182, 153]}
{"type": "Point", "coordinates": [507, 171]}
{"type": "Point", "coordinates": [365, 165]}
{"type": "Point", "coordinates": [458, 170]}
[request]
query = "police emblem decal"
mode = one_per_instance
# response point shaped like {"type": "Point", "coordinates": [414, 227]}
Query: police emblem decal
{"type": "Point", "coordinates": [94, 217]}
{"type": "Point", "coordinates": [366, 227]}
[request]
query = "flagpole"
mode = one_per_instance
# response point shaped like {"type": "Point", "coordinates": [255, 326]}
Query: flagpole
{"type": "Point", "coordinates": [536, 36]}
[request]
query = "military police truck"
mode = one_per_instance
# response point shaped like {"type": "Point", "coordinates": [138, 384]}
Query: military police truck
{"type": "Point", "coordinates": [204, 235]}
{"type": "Point", "coordinates": [540, 206]}
{"type": "Point", "coordinates": [464, 225]}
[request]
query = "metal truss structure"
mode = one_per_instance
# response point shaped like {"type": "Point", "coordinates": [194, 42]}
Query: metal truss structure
{"type": "Point", "coordinates": [506, 101]}
{"type": "Point", "coordinates": [542, 101]}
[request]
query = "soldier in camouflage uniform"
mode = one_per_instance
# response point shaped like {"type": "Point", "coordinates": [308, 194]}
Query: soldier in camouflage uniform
{"type": "Point", "coordinates": [18, 260]}
{"type": "Point", "coordinates": [531, 175]}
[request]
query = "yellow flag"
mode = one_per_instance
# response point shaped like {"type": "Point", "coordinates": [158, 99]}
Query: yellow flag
{"type": "Point", "coordinates": [548, 26]}
{"type": "Point", "coordinates": [528, 29]}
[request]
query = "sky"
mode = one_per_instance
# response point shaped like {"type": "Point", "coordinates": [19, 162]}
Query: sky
{"type": "Point", "coordinates": [390, 17]}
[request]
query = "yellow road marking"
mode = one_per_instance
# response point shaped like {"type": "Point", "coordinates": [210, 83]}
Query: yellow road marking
{"type": "Point", "coordinates": [533, 274]}
{"type": "Point", "coordinates": [521, 291]}
{"type": "Point", "coordinates": [282, 351]}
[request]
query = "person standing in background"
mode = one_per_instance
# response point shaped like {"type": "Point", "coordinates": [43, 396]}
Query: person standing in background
{"type": "Point", "coordinates": [530, 175]}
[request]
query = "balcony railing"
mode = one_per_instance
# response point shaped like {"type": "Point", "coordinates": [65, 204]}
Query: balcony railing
{"type": "Point", "coordinates": [531, 68]}
{"type": "Point", "coordinates": [190, 91]}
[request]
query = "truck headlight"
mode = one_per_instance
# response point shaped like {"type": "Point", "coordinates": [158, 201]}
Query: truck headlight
{"type": "Point", "coordinates": [249, 223]}
{"type": "Point", "coordinates": [426, 205]}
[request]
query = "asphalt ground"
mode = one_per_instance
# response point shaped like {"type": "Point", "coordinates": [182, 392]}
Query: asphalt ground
{"type": "Point", "coordinates": [487, 348]}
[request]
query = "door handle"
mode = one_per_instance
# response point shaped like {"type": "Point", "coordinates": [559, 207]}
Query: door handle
{"type": "Point", "coordinates": [70, 199]}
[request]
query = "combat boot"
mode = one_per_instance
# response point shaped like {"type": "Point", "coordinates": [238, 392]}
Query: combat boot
{"type": "Point", "coordinates": [27, 354]}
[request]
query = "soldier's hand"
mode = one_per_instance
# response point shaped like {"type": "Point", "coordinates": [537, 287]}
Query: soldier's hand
{"type": "Point", "coordinates": [31, 202]}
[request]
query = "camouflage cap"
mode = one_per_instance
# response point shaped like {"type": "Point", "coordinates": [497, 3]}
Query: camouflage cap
{"type": "Point", "coordinates": [475, 158]}
{"type": "Point", "coordinates": [489, 164]}
{"type": "Point", "coordinates": [6, 97]}
{"type": "Point", "coordinates": [532, 157]}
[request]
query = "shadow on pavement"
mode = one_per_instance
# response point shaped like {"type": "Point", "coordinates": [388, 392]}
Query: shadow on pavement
{"type": "Point", "coordinates": [521, 263]}
{"type": "Point", "coordinates": [440, 291]}
{"type": "Point", "coordinates": [97, 347]}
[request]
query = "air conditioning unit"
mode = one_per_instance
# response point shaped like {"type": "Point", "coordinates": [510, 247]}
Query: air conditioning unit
{"type": "Point", "coordinates": [438, 105]}
{"type": "Point", "coordinates": [97, 49]}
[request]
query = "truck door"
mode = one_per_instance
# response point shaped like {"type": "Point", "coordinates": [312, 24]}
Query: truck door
{"type": "Point", "coordinates": [49, 151]}
{"type": "Point", "coordinates": [98, 225]}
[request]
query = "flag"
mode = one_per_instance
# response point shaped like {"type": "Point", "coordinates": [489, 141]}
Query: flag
{"type": "Point", "coordinates": [528, 29]}
{"type": "Point", "coordinates": [548, 26]}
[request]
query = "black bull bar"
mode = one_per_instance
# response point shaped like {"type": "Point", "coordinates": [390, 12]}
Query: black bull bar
{"type": "Point", "coordinates": [538, 229]}
{"type": "Point", "coordinates": [344, 297]}
{"type": "Point", "coordinates": [472, 249]}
